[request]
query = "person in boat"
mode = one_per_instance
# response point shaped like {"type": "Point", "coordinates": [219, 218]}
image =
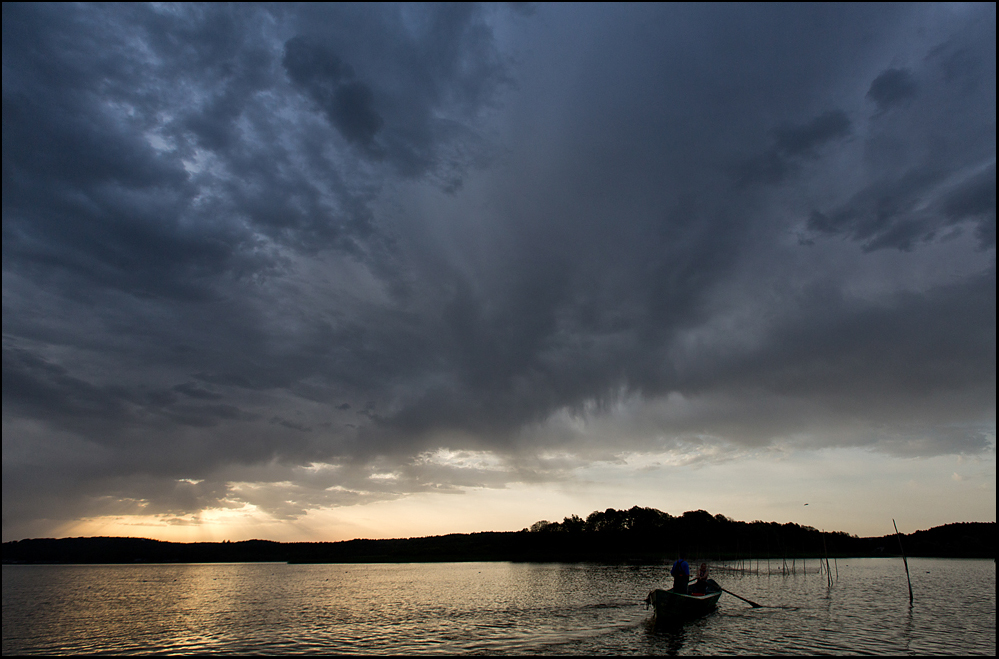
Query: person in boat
{"type": "Point", "coordinates": [700, 587]}
{"type": "Point", "coordinates": [681, 575]}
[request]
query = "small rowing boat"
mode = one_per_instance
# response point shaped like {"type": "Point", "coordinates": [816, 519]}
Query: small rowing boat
{"type": "Point", "coordinates": [671, 606]}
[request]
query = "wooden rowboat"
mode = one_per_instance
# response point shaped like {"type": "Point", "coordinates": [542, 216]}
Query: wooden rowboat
{"type": "Point", "coordinates": [673, 607]}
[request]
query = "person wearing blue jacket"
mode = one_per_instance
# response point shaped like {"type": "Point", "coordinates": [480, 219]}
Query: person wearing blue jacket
{"type": "Point", "coordinates": [681, 575]}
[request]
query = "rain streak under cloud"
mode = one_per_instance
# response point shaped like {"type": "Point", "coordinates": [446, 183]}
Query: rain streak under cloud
{"type": "Point", "coordinates": [274, 262]}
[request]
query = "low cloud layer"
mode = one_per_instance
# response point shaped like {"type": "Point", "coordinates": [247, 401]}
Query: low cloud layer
{"type": "Point", "coordinates": [321, 256]}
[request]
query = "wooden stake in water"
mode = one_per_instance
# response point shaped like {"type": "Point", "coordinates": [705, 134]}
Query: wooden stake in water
{"type": "Point", "coordinates": [828, 572]}
{"type": "Point", "coordinates": [904, 561]}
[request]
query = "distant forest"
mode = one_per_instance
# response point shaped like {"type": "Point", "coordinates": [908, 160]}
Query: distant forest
{"type": "Point", "coordinates": [638, 536]}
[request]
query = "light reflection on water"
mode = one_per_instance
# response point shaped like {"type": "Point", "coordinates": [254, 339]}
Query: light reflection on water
{"type": "Point", "coordinates": [488, 608]}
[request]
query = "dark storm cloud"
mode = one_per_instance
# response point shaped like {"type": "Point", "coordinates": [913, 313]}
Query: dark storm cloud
{"type": "Point", "coordinates": [293, 425]}
{"type": "Point", "coordinates": [907, 346]}
{"type": "Point", "coordinates": [194, 391]}
{"type": "Point", "coordinates": [244, 242]}
{"type": "Point", "coordinates": [793, 144]}
{"type": "Point", "coordinates": [330, 82]}
{"type": "Point", "coordinates": [804, 140]}
{"type": "Point", "coordinates": [924, 185]}
{"type": "Point", "coordinates": [156, 151]}
{"type": "Point", "coordinates": [402, 85]}
{"type": "Point", "coordinates": [891, 88]}
{"type": "Point", "coordinates": [84, 193]}
{"type": "Point", "coordinates": [34, 387]}
{"type": "Point", "coordinates": [896, 214]}
{"type": "Point", "coordinates": [976, 200]}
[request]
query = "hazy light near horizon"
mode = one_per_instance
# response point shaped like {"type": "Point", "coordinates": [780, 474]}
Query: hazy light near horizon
{"type": "Point", "coordinates": [847, 490]}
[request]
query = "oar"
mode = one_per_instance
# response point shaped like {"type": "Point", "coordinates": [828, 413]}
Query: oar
{"type": "Point", "coordinates": [755, 605]}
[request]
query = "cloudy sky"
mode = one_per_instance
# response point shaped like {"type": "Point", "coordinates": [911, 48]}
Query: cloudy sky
{"type": "Point", "coordinates": [323, 272]}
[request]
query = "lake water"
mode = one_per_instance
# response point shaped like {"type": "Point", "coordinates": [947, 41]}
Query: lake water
{"type": "Point", "coordinates": [490, 608]}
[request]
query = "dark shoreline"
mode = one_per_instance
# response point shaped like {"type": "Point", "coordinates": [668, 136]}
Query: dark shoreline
{"type": "Point", "coordinates": [699, 535]}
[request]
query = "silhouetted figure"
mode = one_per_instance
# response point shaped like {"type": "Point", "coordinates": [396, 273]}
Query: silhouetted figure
{"type": "Point", "coordinates": [700, 586]}
{"type": "Point", "coordinates": [681, 575]}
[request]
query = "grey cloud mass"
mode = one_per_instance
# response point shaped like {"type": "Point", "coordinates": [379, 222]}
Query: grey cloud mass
{"type": "Point", "coordinates": [892, 87]}
{"type": "Point", "coordinates": [304, 246]}
{"type": "Point", "coordinates": [791, 145]}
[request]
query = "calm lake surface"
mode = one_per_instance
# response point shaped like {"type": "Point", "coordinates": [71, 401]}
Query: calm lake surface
{"type": "Point", "coordinates": [490, 608]}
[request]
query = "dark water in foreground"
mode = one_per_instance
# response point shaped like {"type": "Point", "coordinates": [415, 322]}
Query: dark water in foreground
{"type": "Point", "coordinates": [489, 608]}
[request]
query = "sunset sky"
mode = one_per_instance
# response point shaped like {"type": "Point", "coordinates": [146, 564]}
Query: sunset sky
{"type": "Point", "coordinates": [318, 272]}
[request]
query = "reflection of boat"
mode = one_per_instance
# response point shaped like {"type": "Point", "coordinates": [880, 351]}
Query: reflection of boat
{"type": "Point", "coordinates": [671, 606]}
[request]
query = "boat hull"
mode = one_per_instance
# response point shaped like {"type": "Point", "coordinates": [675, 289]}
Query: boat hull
{"type": "Point", "coordinates": [671, 606]}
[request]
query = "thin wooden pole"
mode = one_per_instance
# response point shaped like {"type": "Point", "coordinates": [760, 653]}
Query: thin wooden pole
{"type": "Point", "coordinates": [904, 560]}
{"type": "Point", "coordinates": [828, 573]}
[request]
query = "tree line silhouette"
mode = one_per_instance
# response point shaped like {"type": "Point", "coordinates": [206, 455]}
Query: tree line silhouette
{"type": "Point", "coordinates": [700, 535]}
{"type": "Point", "coordinates": [638, 535]}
